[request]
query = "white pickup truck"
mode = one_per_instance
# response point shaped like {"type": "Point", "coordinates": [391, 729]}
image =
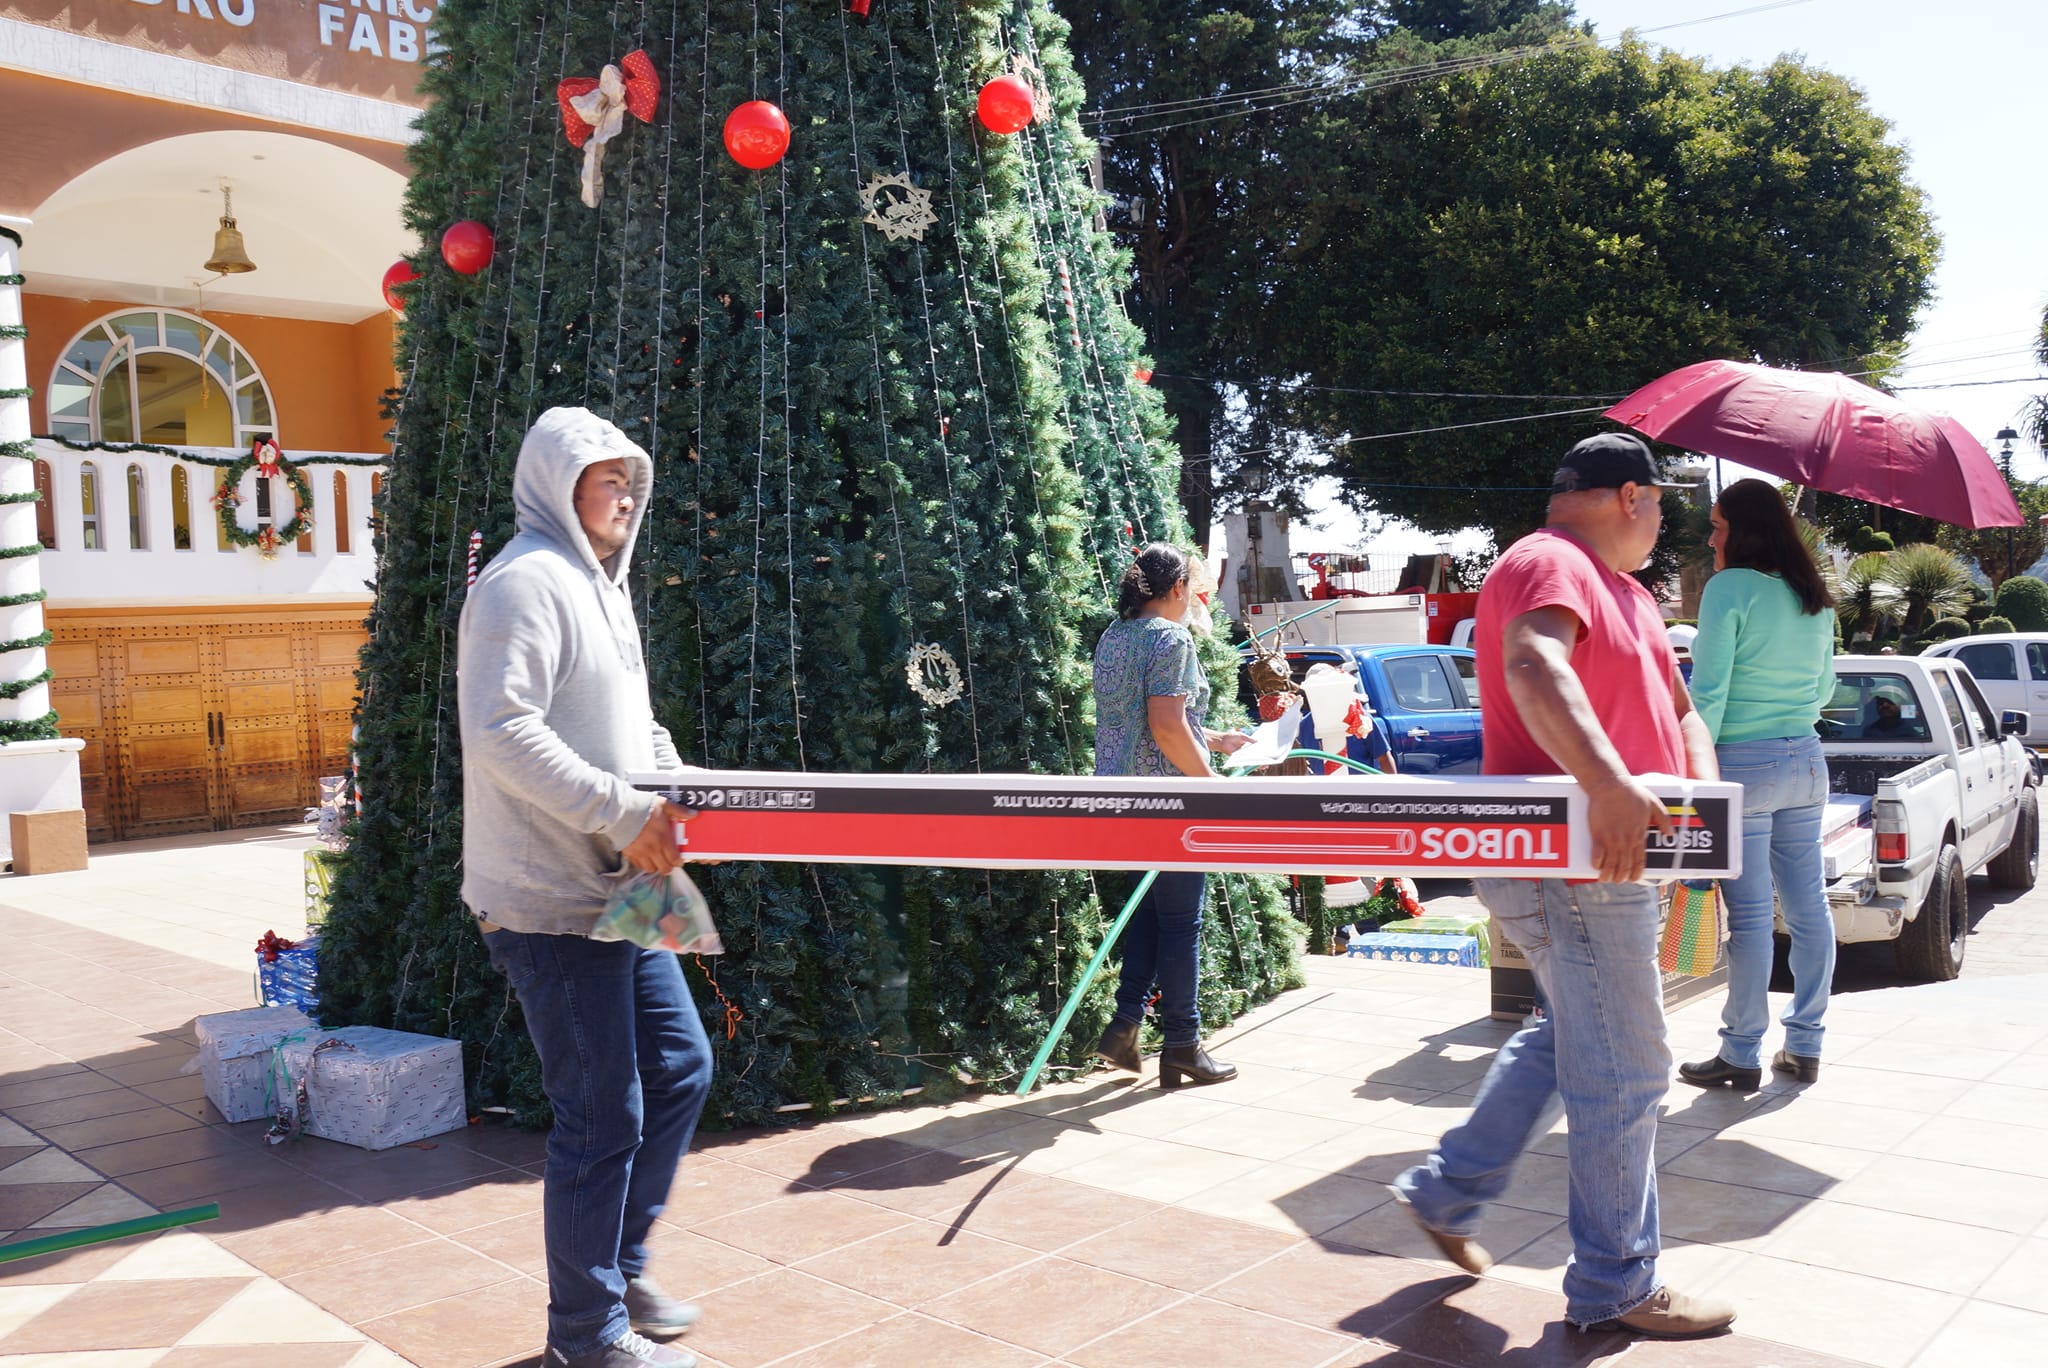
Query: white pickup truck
{"type": "Point", "coordinates": [1928, 786]}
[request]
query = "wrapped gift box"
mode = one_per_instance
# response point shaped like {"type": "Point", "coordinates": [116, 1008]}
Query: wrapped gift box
{"type": "Point", "coordinates": [234, 1057]}
{"type": "Point", "coordinates": [292, 979]}
{"type": "Point", "coordinates": [1452, 926]}
{"type": "Point", "coordinates": [1410, 948]}
{"type": "Point", "coordinates": [319, 870]}
{"type": "Point", "coordinates": [375, 1088]}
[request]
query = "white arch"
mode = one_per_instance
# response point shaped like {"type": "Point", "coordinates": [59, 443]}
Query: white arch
{"type": "Point", "coordinates": [322, 223]}
{"type": "Point", "coordinates": [119, 338]}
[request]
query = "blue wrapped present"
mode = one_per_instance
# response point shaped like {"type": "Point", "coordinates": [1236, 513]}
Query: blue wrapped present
{"type": "Point", "coordinates": [288, 975]}
{"type": "Point", "coordinates": [1409, 948]}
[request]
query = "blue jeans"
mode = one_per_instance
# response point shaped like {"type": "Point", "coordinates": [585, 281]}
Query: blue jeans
{"type": "Point", "coordinates": [1784, 790]}
{"type": "Point", "coordinates": [626, 1066]}
{"type": "Point", "coordinates": [1163, 941]}
{"type": "Point", "coordinates": [1599, 1048]}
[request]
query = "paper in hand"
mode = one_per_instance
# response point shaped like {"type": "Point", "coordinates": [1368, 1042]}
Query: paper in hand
{"type": "Point", "coordinates": [1271, 741]}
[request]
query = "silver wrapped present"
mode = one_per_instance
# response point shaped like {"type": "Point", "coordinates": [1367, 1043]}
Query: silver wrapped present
{"type": "Point", "coordinates": [364, 1085]}
{"type": "Point", "coordinates": [235, 1057]}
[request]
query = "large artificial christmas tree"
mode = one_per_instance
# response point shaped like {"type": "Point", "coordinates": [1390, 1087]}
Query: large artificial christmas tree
{"type": "Point", "coordinates": [901, 459]}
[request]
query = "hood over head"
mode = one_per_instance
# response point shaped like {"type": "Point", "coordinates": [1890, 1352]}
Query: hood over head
{"type": "Point", "coordinates": [560, 446]}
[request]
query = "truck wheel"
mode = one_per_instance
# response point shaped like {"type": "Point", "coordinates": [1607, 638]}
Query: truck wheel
{"type": "Point", "coordinates": [1930, 948]}
{"type": "Point", "coordinates": [2017, 865]}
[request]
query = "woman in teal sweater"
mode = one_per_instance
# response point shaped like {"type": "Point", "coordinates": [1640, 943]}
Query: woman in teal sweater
{"type": "Point", "coordinates": [1763, 665]}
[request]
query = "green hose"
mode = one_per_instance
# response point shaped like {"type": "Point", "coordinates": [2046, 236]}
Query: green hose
{"type": "Point", "coordinates": [119, 1230]}
{"type": "Point", "coordinates": [1116, 929]}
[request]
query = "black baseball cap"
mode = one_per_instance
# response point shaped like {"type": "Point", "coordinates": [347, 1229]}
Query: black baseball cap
{"type": "Point", "coordinates": [1610, 461]}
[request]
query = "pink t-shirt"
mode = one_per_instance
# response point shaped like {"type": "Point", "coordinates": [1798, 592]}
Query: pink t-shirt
{"type": "Point", "coordinates": [1623, 659]}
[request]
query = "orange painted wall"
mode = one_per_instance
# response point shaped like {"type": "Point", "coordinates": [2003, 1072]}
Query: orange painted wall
{"type": "Point", "coordinates": [325, 378]}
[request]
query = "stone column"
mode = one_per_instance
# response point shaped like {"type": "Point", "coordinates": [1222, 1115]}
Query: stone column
{"type": "Point", "coordinates": [26, 716]}
{"type": "Point", "coordinates": [39, 782]}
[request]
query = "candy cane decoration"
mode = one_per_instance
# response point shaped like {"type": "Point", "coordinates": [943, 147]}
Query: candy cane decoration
{"type": "Point", "coordinates": [476, 544]}
{"type": "Point", "coordinates": [1067, 293]}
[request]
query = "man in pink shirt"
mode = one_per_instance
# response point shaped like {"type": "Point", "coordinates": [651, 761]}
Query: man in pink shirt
{"type": "Point", "coordinates": [1575, 650]}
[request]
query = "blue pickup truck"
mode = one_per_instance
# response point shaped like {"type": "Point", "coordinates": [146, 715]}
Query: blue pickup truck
{"type": "Point", "coordinates": [1427, 696]}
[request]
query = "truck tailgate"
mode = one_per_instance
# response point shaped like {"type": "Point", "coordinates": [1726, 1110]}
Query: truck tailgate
{"type": "Point", "coordinates": [1845, 839]}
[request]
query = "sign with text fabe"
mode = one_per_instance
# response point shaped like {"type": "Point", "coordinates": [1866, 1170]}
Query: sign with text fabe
{"type": "Point", "coordinates": [1452, 827]}
{"type": "Point", "coordinates": [362, 47]}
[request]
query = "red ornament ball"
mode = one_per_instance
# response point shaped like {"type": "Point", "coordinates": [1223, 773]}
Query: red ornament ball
{"type": "Point", "coordinates": [1007, 104]}
{"type": "Point", "coordinates": [468, 247]}
{"type": "Point", "coordinates": [756, 134]}
{"type": "Point", "coordinates": [401, 273]}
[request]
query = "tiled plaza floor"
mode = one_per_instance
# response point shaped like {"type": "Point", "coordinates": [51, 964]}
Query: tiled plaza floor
{"type": "Point", "coordinates": [1895, 1213]}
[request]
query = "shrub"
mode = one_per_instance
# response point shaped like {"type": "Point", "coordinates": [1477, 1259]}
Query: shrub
{"type": "Point", "coordinates": [1994, 624]}
{"type": "Point", "coordinates": [1864, 541]}
{"type": "Point", "coordinates": [1945, 629]}
{"type": "Point", "coordinates": [2023, 601]}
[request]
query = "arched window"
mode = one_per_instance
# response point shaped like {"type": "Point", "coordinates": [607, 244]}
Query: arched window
{"type": "Point", "coordinates": [341, 527]}
{"type": "Point", "coordinates": [89, 507]}
{"type": "Point", "coordinates": [46, 507]}
{"type": "Point", "coordinates": [158, 375]}
{"type": "Point", "coordinates": [138, 523]}
{"type": "Point", "coordinates": [181, 507]}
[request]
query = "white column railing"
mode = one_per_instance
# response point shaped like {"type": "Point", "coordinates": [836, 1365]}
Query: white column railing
{"type": "Point", "coordinates": [116, 572]}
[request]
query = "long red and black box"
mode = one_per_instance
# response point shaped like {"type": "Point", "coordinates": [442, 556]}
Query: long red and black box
{"type": "Point", "coordinates": [1448, 827]}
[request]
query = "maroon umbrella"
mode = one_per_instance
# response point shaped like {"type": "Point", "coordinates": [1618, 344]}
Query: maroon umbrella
{"type": "Point", "coordinates": [1826, 431]}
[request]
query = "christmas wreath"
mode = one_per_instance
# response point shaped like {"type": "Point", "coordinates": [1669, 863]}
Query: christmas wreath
{"type": "Point", "coordinates": [266, 459]}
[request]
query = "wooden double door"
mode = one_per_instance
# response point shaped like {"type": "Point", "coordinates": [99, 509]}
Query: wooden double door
{"type": "Point", "coordinates": [202, 721]}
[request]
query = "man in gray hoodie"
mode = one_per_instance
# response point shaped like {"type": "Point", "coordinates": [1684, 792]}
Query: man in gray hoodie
{"type": "Point", "coordinates": [552, 689]}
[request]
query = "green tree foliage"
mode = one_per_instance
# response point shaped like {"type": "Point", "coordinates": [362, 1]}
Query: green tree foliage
{"type": "Point", "coordinates": [1866, 601]}
{"type": "Point", "coordinates": [1863, 527]}
{"type": "Point", "coordinates": [1946, 629]}
{"type": "Point", "coordinates": [1574, 225]}
{"type": "Point", "coordinates": [2023, 600]}
{"type": "Point", "coordinates": [1930, 582]}
{"type": "Point", "coordinates": [2037, 411]}
{"type": "Point", "coordinates": [1993, 625]}
{"type": "Point", "coordinates": [2001, 552]}
{"type": "Point", "coordinates": [1216, 161]}
{"type": "Point", "coordinates": [862, 444]}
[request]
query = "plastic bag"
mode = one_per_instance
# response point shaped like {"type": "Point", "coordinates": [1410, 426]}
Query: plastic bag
{"type": "Point", "coordinates": [660, 912]}
{"type": "Point", "coordinates": [1694, 927]}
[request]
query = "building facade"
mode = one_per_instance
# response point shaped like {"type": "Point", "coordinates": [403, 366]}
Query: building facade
{"type": "Point", "coordinates": [207, 444]}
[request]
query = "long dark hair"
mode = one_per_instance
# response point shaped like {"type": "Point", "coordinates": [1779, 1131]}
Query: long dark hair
{"type": "Point", "coordinates": [1150, 576]}
{"type": "Point", "coordinates": [1761, 536]}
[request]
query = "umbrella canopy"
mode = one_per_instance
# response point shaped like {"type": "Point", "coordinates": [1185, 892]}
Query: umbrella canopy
{"type": "Point", "coordinates": [1826, 431]}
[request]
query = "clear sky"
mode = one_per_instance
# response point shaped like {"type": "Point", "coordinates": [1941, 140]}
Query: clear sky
{"type": "Point", "coordinates": [1954, 80]}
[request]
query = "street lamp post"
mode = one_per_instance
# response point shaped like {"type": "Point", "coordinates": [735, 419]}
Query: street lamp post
{"type": "Point", "coordinates": [2006, 459]}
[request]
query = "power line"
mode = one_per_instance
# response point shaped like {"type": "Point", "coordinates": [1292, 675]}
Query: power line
{"type": "Point", "coordinates": [1268, 98]}
{"type": "Point", "coordinates": [1393, 393]}
{"type": "Point", "coordinates": [1390, 436]}
{"type": "Point", "coordinates": [1973, 384]}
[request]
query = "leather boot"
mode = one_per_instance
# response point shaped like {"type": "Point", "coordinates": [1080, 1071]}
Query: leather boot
{"type": "Point", "coordinates": [1191, 1064]}
{"type": "Point", "coordinates": [1713, 1073]}
{"type": "Point", "coordinates": [1119, 1045]}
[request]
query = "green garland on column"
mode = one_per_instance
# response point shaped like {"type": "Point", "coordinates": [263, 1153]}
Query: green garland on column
{"type": "Point", "coordinates": [42, 728]}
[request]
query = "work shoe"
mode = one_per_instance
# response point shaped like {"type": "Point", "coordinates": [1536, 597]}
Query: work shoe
{"type": "Point", "coordinates": [1712, 1073]}
{"type": "Point", "coordinates": [1465, 1252]}
{"type": "Point", "coordinates": [1803, 1068]}
{"type": "Point", "coordinates": [654, 1312]}
{"type": "Point", "coordinates": [630, 1350]}
{"type": "Point", "coordinates": [1669, 1315]}
{"type": "Point", "coordinates": [1119, 1045]}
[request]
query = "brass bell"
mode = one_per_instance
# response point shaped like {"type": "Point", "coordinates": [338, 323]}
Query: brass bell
{"type": "Point", "coordinates": [229, 256]}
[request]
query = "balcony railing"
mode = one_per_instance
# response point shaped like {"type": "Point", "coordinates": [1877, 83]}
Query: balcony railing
{"type": "Point", "coordinates": [122, 550]}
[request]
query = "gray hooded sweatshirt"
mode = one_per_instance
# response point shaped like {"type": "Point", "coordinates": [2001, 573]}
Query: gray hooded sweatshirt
{"type": "Point", "coordinates": [552, 690]}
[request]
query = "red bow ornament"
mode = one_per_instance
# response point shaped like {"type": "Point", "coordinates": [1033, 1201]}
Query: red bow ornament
{"type": "Point", "coordinates": [268, 457]}
{"type": "Point", "coordinates": [594, 111]}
